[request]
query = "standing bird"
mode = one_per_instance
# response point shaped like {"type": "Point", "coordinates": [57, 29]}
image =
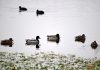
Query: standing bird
{"type": "Point", "coordinates": [94, 45]}
{"type": "Point", "coordinates": [39, 12]}
{"type": "Point", "coordinates": [33, 41]}
{"type": "Point", "coordinates": [22, 9]}
{"type": "Point", "coordinates": [80, 38]}
{"type": "Point", "coordinates": [8, 42]}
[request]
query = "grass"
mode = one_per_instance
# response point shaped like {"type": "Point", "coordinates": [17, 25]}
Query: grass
{"type": "Point", "coordinates": [45, 61]}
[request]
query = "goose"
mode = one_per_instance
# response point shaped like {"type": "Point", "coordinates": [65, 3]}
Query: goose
{"type": "Point", "coordinates": [39, 12]}
{"type": "Point", "coordinates": [33, 41]}
{"type": "Point", "coordinates": [94, 45]}
{"type": "Point", "coordinates": [53, 38]}
{"type": "Point", "coordinates": [8, 42]}
{"type": "Point", "coordinates": [22, 9]}
{"type": "Point", "coordinates": [80, 38]}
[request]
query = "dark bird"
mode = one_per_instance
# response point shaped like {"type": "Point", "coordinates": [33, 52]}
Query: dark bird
{"type": "Point", "coordinates": [94, 45]}
{"type": "Point", "coordinates": [33, 41]}
{"type": "Point", "coordinates": [39, 12]}
{"type": "Point", "coordinates": [8, 42]}
{"type": "Point", "coordinates": [22, 9]}
{"type": "Point", "coordinates": [80, 38]}
{"type": "Point", "coordinates": [53, 38]}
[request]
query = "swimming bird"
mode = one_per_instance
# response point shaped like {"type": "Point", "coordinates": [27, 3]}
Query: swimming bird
{"type": "Point", "coordinates": [94, 45]}
{"type": "Point", "coordinates": [22, 9]}
{"type": "Point", "coordinates": [7, 42]}
{"type": "Point", "coordinates": [33, 41]}
{"type": "Point", "coordinates": [53, 38]}
{"type": "Point", "coordinates": [80, 38]}
{"type": "Point", "coordinates": [39, 12]}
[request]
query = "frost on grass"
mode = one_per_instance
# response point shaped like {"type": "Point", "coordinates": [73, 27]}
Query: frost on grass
{"type": "Point", "coordinates": [45, 61]}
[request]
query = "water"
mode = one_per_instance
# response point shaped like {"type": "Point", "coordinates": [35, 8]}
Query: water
{"type": "Point", "coordinates": [68, 18]}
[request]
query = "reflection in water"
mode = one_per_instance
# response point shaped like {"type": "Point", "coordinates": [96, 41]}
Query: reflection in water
{"type": "Point", "coordinates": [97, 50]}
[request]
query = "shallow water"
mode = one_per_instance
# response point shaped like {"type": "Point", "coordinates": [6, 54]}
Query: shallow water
{"type": "Point", "coordinates": [68, 18]}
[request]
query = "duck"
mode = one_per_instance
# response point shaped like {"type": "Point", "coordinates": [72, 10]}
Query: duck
{"type": "Point", "coordinates": [33, 41]}
{"type": "Point", "coordinates": [22, 9]}
{"type": "Point", "coordinates": [7, 42]}
{"type": "Point", "coordinates": [80, 38]}
{"type": "Point", "coordinates": [53, 38]}
{"type": "Point", "coordinates": [39, 12]}
{"type": "Point", "coordinates": [94, 45]}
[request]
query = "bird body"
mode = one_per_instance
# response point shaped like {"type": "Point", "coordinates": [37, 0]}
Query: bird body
{"type": "Point", "coordinates": [80, 38]}
{"type": "Point", "coordinates": [39, 12]}
{"type": "Point", "coordinates": [33, 42]}
{"type": "Point", "coordinates": [22, 9]}
{"type": "Point", "coordinates": [7, 42]}
{"type": "Point", "coordinates": [53, 38]}
{"type": "Point", "coordinates": [94, 45]}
